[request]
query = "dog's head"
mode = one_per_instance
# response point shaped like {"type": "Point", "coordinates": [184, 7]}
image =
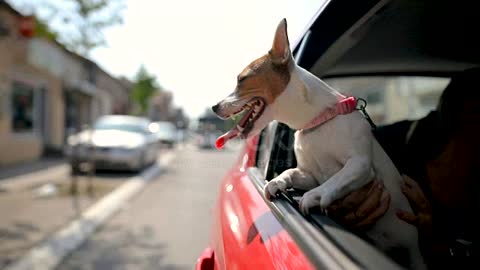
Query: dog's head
{"type": "Point", "coordinates": [258, 85]}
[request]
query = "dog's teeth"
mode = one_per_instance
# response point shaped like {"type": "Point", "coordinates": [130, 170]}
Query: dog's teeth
{"type": "Point", "coordinates": [240, 128]}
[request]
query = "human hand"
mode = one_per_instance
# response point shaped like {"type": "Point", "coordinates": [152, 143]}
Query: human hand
{"type": "Point", "coordinates": [421, 207]}
{"type": "Point", "coordinates": [362, 208]}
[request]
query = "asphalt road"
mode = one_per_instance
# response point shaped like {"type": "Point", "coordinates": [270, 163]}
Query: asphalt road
{"type": "Point", "coordinates": [167, 225]}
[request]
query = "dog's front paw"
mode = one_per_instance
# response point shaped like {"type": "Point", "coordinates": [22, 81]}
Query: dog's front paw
{"type": "Point", "coordinates": [326, 201]}
{"type": "Point", "coordinates": [309, 200]}
{"type": "Point", "coordinates": [314, 198]}
{"type": "Point", "coordinates": [274, 186]}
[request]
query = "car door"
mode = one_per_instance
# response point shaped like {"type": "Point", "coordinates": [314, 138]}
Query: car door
{"type": "Point", "coordinates": [246, 234]}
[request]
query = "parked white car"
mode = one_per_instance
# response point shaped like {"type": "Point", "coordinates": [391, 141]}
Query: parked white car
{"type": "Point", "coordinates": [117, 142]}
{"type": "Point", "coordinates": [165, 132]}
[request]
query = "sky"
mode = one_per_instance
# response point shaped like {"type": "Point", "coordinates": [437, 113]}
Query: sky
{"type": "Point", "coordinates": [197, 48]}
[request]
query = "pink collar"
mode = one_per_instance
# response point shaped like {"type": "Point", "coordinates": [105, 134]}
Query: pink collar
{"type": "Point", "coordinates": [344, 106]}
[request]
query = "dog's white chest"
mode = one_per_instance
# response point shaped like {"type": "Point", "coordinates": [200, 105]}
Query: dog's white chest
{"type": "Point", "coordinates": [315, 152]}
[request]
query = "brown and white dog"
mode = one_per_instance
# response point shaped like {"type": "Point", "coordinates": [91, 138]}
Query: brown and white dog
{"type": "Point", "coordinates": [335, 155]}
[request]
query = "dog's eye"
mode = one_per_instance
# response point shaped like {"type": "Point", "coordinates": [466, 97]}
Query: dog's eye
{"type": "Point", "coordinates": [241, 78]}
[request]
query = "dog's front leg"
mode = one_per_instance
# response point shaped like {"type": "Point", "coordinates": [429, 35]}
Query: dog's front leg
{"type": "Point", "coordinates": [356, 172]}
{"type": "Point", "coordinates": [291, 178]}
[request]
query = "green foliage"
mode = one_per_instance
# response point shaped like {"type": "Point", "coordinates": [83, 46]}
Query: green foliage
{"type": "Point", "coordinates": [87, 7]}
{"type": "Point", "coordinates": [90, 18]}
{"type": "Point", "coordinates": [77, 24]}
{"type": "Point", "coordinates": [145, 87]}
{"type": "Point", "coordinates": [42, 30]}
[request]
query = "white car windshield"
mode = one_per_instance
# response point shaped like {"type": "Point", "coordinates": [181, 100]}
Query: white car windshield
{"type": "Point", "coordinates": [129, 125]}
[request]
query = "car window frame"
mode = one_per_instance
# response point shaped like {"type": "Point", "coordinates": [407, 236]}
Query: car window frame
{"type": "Point", "coordinates": [353, 247]}
{"type": "Point", "coordinates": [264, 148]}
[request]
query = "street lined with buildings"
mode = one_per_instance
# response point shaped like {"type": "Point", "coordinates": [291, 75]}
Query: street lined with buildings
{"type": "Point", "coordinates": [167, 224]}
{"type": "Point", "coordinates": [48, 92]}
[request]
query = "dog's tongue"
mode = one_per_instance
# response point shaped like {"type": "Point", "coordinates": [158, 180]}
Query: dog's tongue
{"type": "Point", "coordinates": [222, 140]}
{"type": "Point", "coordinates": [234, 132]}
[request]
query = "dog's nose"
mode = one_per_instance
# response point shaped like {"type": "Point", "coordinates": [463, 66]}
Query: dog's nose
{"type": "Point", "coordinates": [215, 108]}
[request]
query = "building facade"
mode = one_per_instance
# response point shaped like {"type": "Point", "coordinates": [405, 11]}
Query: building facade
{"type": "Point", "coordinates": [47, 92]}
{"type": "Point", "coordinates": [30, 98]}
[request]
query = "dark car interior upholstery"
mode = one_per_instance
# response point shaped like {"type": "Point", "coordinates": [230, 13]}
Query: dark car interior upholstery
{"type": "Point", "coordinates": [396, 36]}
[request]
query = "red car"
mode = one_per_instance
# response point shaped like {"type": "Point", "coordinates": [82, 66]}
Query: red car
{"type": "Point", "coordinates": [368, 47]}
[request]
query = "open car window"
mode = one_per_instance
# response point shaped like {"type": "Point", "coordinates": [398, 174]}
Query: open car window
{"type": "Point", "coordinates": [327, 244]}
{"type": "Point", "coordinates": [393, 98]}
{"type": "Point", "coordinates": [389, 99]}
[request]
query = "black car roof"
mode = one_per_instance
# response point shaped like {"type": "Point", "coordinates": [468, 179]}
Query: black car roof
{"type": "Point", "coordinates": [391, 37]}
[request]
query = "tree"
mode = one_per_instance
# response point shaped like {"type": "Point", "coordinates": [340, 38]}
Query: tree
{"type": "Point", "coordinates": [91, 17]}
{"type": "Point", "coordinates": [145, 87]}
{"type": "Point", "coordinates": [43, 30]}
{"type": "Point", "coordinates": [78, 24]}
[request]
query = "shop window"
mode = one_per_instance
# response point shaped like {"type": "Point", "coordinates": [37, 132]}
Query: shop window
{"type": "Point", "coordinates": [22, 107]}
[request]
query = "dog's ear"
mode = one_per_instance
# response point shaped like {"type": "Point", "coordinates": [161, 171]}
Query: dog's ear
{"type": "Point", "coordinates": [280, 52]}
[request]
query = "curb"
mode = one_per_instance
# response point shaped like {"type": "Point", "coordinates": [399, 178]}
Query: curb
{"type": "Point", "coordinates": [49, 254]}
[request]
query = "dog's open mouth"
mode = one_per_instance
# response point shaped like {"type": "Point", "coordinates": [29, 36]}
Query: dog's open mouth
{"type": "Point", "coordinates": [252, 110]}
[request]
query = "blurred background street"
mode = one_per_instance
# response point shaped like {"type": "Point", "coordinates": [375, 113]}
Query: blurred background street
{"type": "Point", "coordinates": [167, 225]}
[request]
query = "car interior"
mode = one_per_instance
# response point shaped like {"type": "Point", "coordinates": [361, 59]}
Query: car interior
{"type": "Point", "coordinates": [367, 39]}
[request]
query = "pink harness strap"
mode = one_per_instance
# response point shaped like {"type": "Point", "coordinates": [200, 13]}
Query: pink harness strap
{"type": "Point", "coordinates": [344, 106]}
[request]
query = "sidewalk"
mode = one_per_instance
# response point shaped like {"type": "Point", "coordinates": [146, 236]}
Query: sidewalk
{"type": "Point", "coordinates": [16, 170]}
{"type": "Point", "coordinates": [41, 223]}
{"type": "Point", "coordinates": [23, 175]}
{"type": "Point", "coordinates": [37, 204]}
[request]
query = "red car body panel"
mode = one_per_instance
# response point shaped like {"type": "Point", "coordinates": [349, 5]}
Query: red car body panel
{"type": "Point", "coordinates": [245, 233]}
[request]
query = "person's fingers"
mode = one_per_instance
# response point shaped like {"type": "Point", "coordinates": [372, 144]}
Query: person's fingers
{"type": "Point", "coordinates": [355, 198]}
{"type": "Point", "coordinates": [407, 217]}
{"type": "Point", "coordinates": [350, 219]}
{"type": "Point", "coordinates": [376, 214]}
{"type": "Point", "coordinates": [412, 195]}
{"type": "Point", "coordinates": [407, 180]}
{"type": "Point", "coordinates": [415, 196]}
{"type": "Point", "coordinates": [334, 207]}
{"type": "Point", "coordinates": [352, 200]}
{"type": "Point", "coordinates": [379, 207]}
{"type": "Point", "coordinates": [371, 202]}
{"type": "Point", "coordinates": [410, 182]}
{"type": "Point", "coordinates": [409, 193]}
